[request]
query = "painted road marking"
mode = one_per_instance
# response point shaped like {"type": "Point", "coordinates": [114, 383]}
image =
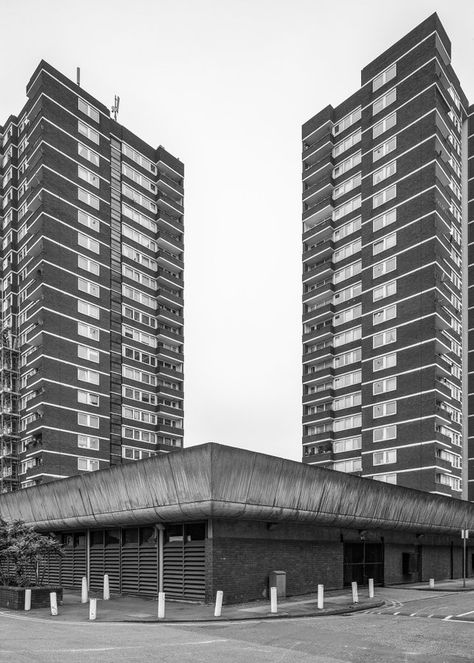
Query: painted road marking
{"type": "Point", "coordinates": [463, 614]}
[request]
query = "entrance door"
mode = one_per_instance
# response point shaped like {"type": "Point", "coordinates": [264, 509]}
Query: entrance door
{"type": "Point", "coordinates": [362, 561]}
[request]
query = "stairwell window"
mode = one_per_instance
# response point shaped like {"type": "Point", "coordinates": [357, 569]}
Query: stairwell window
{"type": "Point", "coordinates": [384, 172]}
{"type": "Point", "coordinates": [386, 361]}
{"type": "Point", "coordinates": [387, 313]}
{"type": "Point", "coordinates": [387, 242]}
{"type": "Point", "coordinates": [384, 77]}
{"type": "Point", "coordinates": [384, 409]}
{"type": "Point", "coordinates": [384, 101]}
{"type": "Point", "coordinates": [384, 125]}
{"type": "Point", "coordinates": [384, 196]}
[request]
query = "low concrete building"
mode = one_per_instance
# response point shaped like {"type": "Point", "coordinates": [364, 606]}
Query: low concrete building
{"type": "Point", "coordinates": [214, 517]}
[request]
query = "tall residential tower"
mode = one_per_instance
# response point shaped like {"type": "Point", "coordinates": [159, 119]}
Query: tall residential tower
{"type": "Point", "coordinates": [91, 355]}
{"type": "Point", "coordinates": [384, 221]}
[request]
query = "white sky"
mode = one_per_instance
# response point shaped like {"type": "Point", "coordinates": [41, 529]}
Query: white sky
{"type": "Point", "coordinates": [225, 85]}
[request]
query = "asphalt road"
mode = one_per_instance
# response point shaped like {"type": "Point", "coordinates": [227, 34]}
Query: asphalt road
{"type": "Point", "coordinates": [361, 637]}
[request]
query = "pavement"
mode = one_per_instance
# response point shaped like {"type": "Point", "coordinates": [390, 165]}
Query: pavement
{"type": "Point", "coordinates": [140, 609]}
{"type": "Point", "coordinates": [135, 609]}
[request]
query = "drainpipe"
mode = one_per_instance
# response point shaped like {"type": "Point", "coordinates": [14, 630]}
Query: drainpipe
{"type": "Point", "coordinates": [88, 556]}
{"type": "Point", "coordinates": [161, 539]}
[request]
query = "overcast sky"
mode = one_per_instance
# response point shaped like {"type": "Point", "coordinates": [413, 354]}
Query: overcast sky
{"type": "Point", "coordinates": [225, 86]}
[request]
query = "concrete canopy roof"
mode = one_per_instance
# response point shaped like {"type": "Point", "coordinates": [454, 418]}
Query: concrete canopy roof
{"type": "Point", "coordinates": [216, 481]}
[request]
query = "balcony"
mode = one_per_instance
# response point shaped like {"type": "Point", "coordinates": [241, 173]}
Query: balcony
{"type": "Point", "coordinates": [318, 212]}
{"type": "Point", "coordinates": [317, 251]}
{"type": "Point", "coordinates": [442, 387]}
{"type": "Point", "coordinates": [323, 309]}
{"type": "Point", "coordinates": [320, 271]}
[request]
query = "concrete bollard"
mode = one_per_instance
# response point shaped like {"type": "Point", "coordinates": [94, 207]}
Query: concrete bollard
{"type": "Point", "coordinates": [218, 608]}
{"type": "Point", "coordinates": [92, 610]}
{"type": "Point", "coordinates": [106, 588]}
{"type": "Point", "coordinates": [273, 600]}
{"type": "Point", "coordinates": [371, 588]}
{"type": "Point", "coordinates": [355, 593]}
{"type": "Point", "coordinates": [53, 601]}
{"type": "Point", "coordinates": [84, 591]}
{"type": "Point", "coordinates": [320, 597]}
{"type": "Point", "coordinates": [27, 599]}
{"type": "Point", "coordinates": [161, 605]}
{"type": "Point", "coordinates": [431, 583]}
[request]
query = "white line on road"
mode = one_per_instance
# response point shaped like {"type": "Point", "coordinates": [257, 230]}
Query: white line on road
{"type": "Point", "coordinates": [463, 614]}
{"type": "Point", "coordinates": [98, 649]}
{"type": "Point", "coordinates": [447, 618]}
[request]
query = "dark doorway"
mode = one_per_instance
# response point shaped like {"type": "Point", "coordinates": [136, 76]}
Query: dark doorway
{"type": "Point", "coordinates": [362, 561]}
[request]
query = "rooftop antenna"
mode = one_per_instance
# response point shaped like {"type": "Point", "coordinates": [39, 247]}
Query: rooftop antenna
{"type": "Point", "coordinates": [115, 107]}
{"type": "Point", "coordinates": [78, 76]}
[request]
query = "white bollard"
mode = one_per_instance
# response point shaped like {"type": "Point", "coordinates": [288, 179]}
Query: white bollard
{"type": "Point", "coordinates": [161, 605]}
{"type": "Point", "coordinates": [371, 588]}
{"type": "Point", "coordinates": [431, 583]}
{"type": "Point", "coordinates": [355, 593]}
{"type": "Point", "coordinates": [27, 599]}
{"type": "Point", "coordinates": [92, 609]}
{"type": "Point", "coordinates": [320, 597]}
{"type": "Point", "coordinates": [53, 601]}
{"type": "Point", "coordinates": [106, 588]}
{"type": "Point", "coordinates": [218, 608]}
{"type": "Point", "coordinates": [273, 600]}
{"type": "Point", "coordinates": [84, 591]}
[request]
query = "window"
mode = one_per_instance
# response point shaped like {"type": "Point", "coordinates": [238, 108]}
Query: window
{"type": "Point", "coordinates": [347, 272]}
{"type": "Point", "coordinates": [386, 361]}
{"type": "Point", "coordinates": [88, 353]}
{"type": "Point", "coordinates": [139, 395]}
{"type": "Point", "coordinates": [139, 277]}
{"type": "Point", "coordinates": [138, 158]}
{"type": "Point", "coordinates": [386, 478]}
{"type": "Point", "coordinates": [383, 386]}
{"type": "Point", "coordinates": [144, 318]}
{"type": "Point", "coordinates": [347, 164]}
{"type": "Point", "coordinates": [132, 453]}
{"type": "Point", "coordinates": [86, 375]}
{"type": "Point", "coordinates": [139, 297]}
{"type": "Point", "coordinates": [384, 172]}
{"type": "Point", "coordinates": [348, 336]}
{"type": "Point", "coordinates": [385, 290]}
{"type": "Point", "coordinates": [352, 465]}
{"type": "Point", "coordinates": [384, 409]}
{"type": "Point", "coordinates": [384, 148]}
{"type": "Point", "coordinates": [348, 293]}
{"type": "Point", "coordinates": [384, 220]}
{"type": "Point", "coordinates": [88, 442]}
{"type": "Point", "coordinates": [88, 132]}
{"type": "Point", "coordinates": [137, 355]}
{"type": "Point", "coordinates": [88, 398]}
{"type": "Point", "coordinates": [88, 243]}
{"type": "Point", "coordinates": [385, 457]}
{"type": "Point", "coordinates": [346, 208]}
{"type": "Point", "coordinates": [88, 331]}
{"type": "Point", "coordinates": [347, 380]}
{"type": "Point", "coordinates": [384, 267]}
{"type": "Point", "coordinates": [344, 423]}
{"type": "Point", "coordinates": [347, 315]}
{"type": "Point", "coordinates": [350, 400]}
{"type": "Point", "coordinates": [88, 220]}
{"type": "Point", "coordinates": [87, 153]}
{"type": "Point", "coordinates": [139, 257]}
{"type": "Point", "coordinates": [384, 125]}
{"type": "Point", "coordinates": [138, 376]}
{"type": "Point", "coordinates": [139, 336]}
{"type": "Point", "coordinates": [139, 238]}
{"type": "Point", "coordinates": [87, 464]}
{"type": "Point", "coordinates": [384, 77]}
{"type": "Point", "coordinates": [346, 186]}
{"type": "Point", "coordinates": [88, 265]}
{"type": "Point", "coordinates": [347, 229]}
{"type": "Point", "coordinates": [141, 219]}
{"type": "Point", "coordinates": [347, 143]}
{"type": "Point", "coordinates": [144, 416]}
{"type": "Point", "coordinates": [384, 196]}
{"type": "Point", "coordinates": [88, 198]}
{"type": "Point", "coordinates": [347, 121]}
{"type": "Point", "coordinates": [138, 178]}
{"type": "Point", "coordinates": [89, 287]}
{"type": "Point", "coordinates": [89, 110]}
{"type": "Point", "coordinates": [347, 358]}
{"type": "Point", "coordinates": [347, 250]}
{"type": "Point", "coordinates": [138, 198]}
{"type": "Point", "coordinates": [384, 433]}
{"type": "Point", "coordinates": [139, 434]}
{"type": "Point", "coordinates": [384, 101]}
{"type": "Point", "coordinates": [387, 242]}
{"type": "Point", "coordinates": [88, 309]}
{"type": "Point", "coordinates": [84, 419]}
{"type": "Point", "coordinates": [348, 444]}
{"type": "Point", "coordinates": [88, 176]}
{"type": "Point", "coordinates": [387, 313]}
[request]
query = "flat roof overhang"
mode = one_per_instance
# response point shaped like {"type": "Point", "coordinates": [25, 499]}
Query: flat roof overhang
{"type": "Point", "coordinates": [216, 481]}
